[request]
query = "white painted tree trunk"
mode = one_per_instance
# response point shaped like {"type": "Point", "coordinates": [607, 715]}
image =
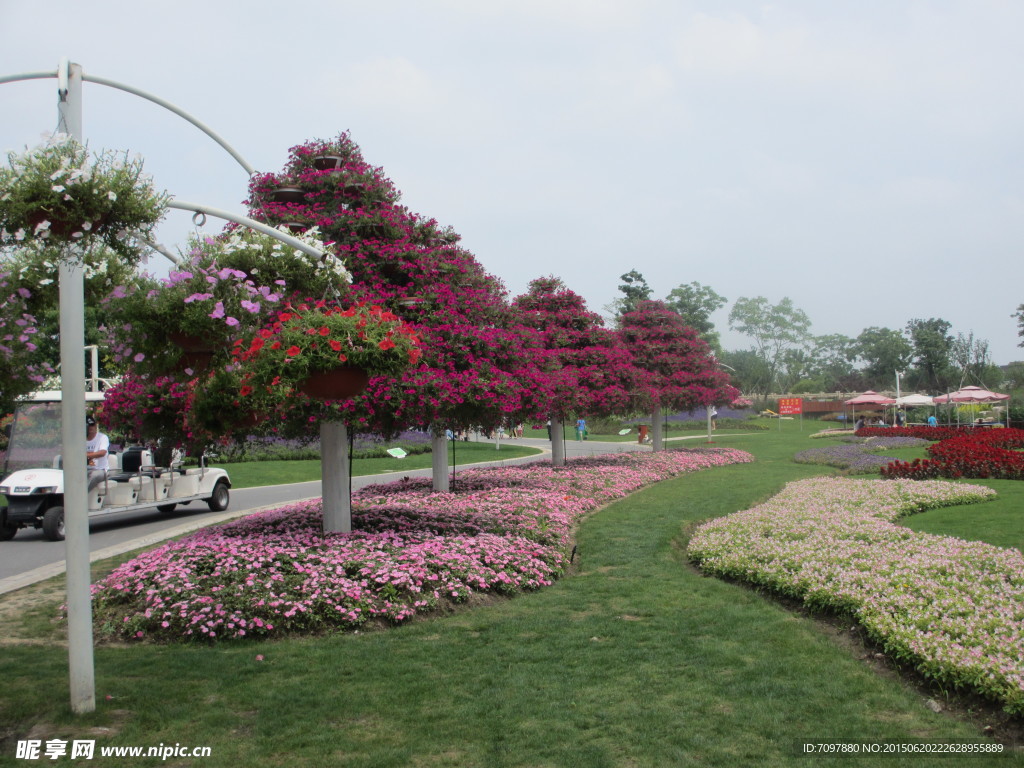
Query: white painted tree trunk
{"type": "Point", "coordinates": [657, 433]}
{"type": "Point", "coordinates": [334, 477]}
{"type": "Point", "coordinates": [439, 461]}
{"type": "Point", "coordinates": [557, 443]}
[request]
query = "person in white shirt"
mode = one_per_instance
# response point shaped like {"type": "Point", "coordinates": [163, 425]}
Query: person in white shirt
{"type": "Point", "coordinates": [97, 445]}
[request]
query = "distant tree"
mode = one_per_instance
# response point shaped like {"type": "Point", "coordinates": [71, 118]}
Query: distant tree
{"type": "Point", "coordinates": [1019, 314]}
{"type": "Point", "coordinates": [746, 369]}
{"type": "Point", "coordinates": [832, 358]}
{"type": "Point", "coordinates": [884, 351]}
{"type": "Point", "coordinates": [971, 357]}
{"type": "Point", "coordinates": [797, 366]}
{"type": "Point", "coordinates": [775, 330]}
{"type": "Point", "coordinates": [932, 345]}
{"type": "Point", "coordinates": [695, 303]}
{"type": "Point", "coordinates": [634, 289]}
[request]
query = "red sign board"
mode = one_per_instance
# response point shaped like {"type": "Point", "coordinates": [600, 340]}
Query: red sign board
{"type": "Point", "coordinates": [791, 406]}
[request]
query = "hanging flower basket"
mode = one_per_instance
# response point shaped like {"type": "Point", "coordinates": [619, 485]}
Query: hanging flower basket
{"type": "Point", "coordinates": [325, 351]}
{"type": "Point", "coordinates": [328, 162]}
{"type": "Point", "coordinates": [336, 384]}
{"type": "Point", "coordinates": [58, 194]}
{"type": "Point", "coordinates": [196, 354]}
{"type": "Point", "coordinates": [288, 195]}
{"type": "Point", "coordinates": [189, 342]}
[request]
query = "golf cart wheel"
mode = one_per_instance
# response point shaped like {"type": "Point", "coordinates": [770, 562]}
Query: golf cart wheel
{"type": "Point", "coordinates": [166, 508]}
{"type": "Point", "coordinates": [7, 530]}
{"type": "Point", "coordinates": [53, 524]}
{"type": "Point", "coordinates": [218, 500]}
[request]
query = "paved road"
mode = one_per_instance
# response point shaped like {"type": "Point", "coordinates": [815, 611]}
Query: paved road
{"type": "Point", "coordinates": [29, 557]}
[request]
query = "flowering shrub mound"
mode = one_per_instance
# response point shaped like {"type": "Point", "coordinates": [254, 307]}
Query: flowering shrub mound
{"type": "Point", "coordinates": [857, 454]}
{"type": "Point", "coordinates": [411, 551]}
{"type": "Point", "coordinates": [978, 453]}
{"type": "Point", "coordinates": [952, 608]}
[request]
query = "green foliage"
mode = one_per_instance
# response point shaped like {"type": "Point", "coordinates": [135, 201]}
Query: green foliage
{"type": "Point", "coordinates": [884, 351]}
{"type": "Point", "coordinates": [933, 346]}
{"type": "Point", "coordinates": [634, 289]}
{"type": "Point", "coordinates": [776, 330]}
{"type": "Point", "coordinates": [695, 303]}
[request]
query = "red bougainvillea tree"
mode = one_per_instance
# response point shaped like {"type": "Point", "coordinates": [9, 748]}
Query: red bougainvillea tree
{"type": "Point", "coordinates": [683, 370]}
{"type": "Point", "coordinates": [589, 371]}
{"type": "Point", "coordinates": [479, 368]}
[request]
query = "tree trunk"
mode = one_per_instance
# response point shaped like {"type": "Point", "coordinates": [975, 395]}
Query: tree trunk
{"type": "Point", "coordinates": [439, 460]}
{"type": "Point", "coordinates": [557, 443]}
{"type": "Point", "coordinates": [335, 477]}
{"type": "Point", "coordinates": [657, 436]}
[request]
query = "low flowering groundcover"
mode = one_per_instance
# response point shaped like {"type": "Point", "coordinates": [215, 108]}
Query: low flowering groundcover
{"type": "Point", "coordinates": [505, 530]}
{"type": "Point", "coordinates": [857, 454]}
{"type": "Point", "coordinates": [953, 609]}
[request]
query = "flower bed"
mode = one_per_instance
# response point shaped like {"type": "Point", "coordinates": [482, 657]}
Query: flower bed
{"type": "Point", "coordinates": [857, 454]}
{"type": "Point", "coordinates": [954, 609]}
{"type": "Point", "coordinates": [977, 453]}
{"type": "Point", "coordinates": [412, 551]}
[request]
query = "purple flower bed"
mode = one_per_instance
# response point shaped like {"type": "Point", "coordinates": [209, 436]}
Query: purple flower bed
{"type": "Point", "coordinates": [262, 448]}
{"type": "Point", "coordinates": [506, 530]}
{"type": "Point", "coordinates": [856, 453]}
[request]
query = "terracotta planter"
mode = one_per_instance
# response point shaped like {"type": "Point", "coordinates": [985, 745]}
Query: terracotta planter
{"type": "Point", "coordinates": [195, 351]}
{"type": "Point", "coordinates": [336, 384]}
{"type": "Point", "coordinates": [189, 343]}
{"type": "Point", "coordinates": [328, 162]}
{"type": "Point", "coordinates": [288, 195]}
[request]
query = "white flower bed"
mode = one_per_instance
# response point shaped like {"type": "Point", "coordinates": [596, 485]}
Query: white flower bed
{"type": "Point", "coordinates": [952, 608]}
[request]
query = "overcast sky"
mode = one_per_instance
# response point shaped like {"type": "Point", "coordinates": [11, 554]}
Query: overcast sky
{"type": "Point", "coordinates": [862, 157]}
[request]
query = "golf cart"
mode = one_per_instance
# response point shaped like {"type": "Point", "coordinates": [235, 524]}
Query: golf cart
{"type": "Point", "coordinates": [33, 481]}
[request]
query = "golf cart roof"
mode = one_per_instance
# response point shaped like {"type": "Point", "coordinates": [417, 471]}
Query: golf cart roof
{"type": "Point", "coordinates": [55, 396]}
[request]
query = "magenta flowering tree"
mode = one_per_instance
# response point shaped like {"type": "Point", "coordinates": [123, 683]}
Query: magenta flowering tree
{"type": "Point", "coordinates": [588, 370]}
{"type": "Point", "coordinates": [479, 366]}
{"type": "Point", "coordinates": [684, 373]}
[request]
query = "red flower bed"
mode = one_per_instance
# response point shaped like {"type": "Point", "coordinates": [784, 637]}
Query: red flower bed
{"type": "Point", "coordinates": [974, 453]}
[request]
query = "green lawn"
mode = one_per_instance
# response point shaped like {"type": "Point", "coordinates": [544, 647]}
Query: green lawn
{"type": "Point", "coordinates": [256, 473]}
{"type": "Point", "coordinates": [633, 659]}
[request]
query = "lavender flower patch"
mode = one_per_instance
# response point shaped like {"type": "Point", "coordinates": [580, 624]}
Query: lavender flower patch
{"type": "Point", "coordinates": [856, 454]}
{"type": "Point", "coordinates": [952, 608]}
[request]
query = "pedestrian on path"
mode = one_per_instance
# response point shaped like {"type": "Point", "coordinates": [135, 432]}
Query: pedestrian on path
{"type": "Point", "coordinates": [581, 428]}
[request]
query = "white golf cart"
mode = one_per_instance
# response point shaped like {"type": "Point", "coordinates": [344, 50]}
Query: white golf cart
{"type": "Point", "coordinates": [33, 481]}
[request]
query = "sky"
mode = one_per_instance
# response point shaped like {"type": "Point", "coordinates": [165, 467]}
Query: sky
{"type": "Point", "coordinates": [863, 158]}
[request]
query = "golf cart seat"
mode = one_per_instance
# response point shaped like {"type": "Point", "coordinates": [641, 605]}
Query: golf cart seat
{"type": "Point", "coordinates": [132, 465]}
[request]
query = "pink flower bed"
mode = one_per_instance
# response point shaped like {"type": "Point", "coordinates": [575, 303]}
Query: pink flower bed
{"type": "Point", "coordinates": [952, 608]}
{"type": "Point", "coordinates": [506, 530]}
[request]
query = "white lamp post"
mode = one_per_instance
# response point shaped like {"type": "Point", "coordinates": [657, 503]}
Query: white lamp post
{"type": "Point", "coordinates": [72, 335]}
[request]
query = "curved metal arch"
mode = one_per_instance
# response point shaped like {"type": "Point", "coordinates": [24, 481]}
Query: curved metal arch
{"type": "Point", "coordinates": [145, 95]}
{"type": "Point", "coordinates": [259, 226]}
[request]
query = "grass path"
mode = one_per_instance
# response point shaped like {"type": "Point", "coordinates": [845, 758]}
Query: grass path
{"type": "Point", "coordinates": [632, 660]}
